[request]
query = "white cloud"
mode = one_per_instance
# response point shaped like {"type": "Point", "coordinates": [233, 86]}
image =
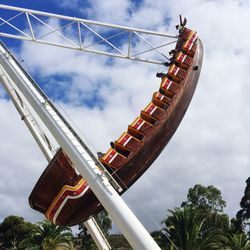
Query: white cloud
{"type": "Point", "coordinates": [20, 164]}
{"type": "Point", "coordinates": [143, 14]}
{"type": "Point", "coordinates": [108, 11]}
{"type": "Point", "coordinates": [73, 4]}
{"type": "Point", "coordinates": [211, 145]}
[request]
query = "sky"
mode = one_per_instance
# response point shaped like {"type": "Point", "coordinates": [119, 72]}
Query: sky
{"type": "Point", "coordinates": [102, 96]}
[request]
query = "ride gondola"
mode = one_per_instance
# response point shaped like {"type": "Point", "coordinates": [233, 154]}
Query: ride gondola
{"type": "Point", "coordinates": [65, 197]}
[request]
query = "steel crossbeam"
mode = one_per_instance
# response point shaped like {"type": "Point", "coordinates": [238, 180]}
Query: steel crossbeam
{"type": "Point", "coordinates": [85, 35]}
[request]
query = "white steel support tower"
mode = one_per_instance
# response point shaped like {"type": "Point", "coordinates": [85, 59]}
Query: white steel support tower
{"type": "Point", "coordinates": [45, 145]}
{"type": "Point", "coordinates": [22, 24]}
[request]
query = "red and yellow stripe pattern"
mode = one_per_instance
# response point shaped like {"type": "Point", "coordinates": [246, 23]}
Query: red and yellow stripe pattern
{"type": "Point", "coordinates": [138, 123]}
{"type": "Point", "coordinates": [66, 193]}
{"type": "Point", "coordinates": [110, 155]}
{"type": "Point", "coordinates": [124, 139]}
{"type": "Point", "coordinates": [191, 40]}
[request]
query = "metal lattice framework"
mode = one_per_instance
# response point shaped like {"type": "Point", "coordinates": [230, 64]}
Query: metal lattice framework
{"type": "Point", "coordinates": [85, 35]}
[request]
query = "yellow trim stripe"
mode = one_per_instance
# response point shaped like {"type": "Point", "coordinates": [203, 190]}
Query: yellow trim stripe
{"type": "Point", "coordinates": [65, 188]}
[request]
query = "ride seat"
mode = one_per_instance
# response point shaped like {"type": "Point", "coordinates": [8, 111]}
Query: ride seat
{"type": "Point", "coordinates": [158, 97]}
{"type": "Point", "coordinates": [186, 33]}
{"type": "Point", "coordinates": [183, 61]}
{"type": "Point", "coordinates": [168, 85]}
{"type": "Point", "coordinates": [189, 47]}
{"type": "Point", "coordinates": [176, 74]}
{"type": "Point", "coordinates": [154, 111]}
{"type": "Point", "coordinates": [113, 159]}
{"type": "Point", "coordinates": [140, 125]}
{"type": "Point", "coordinates": [128, 141]}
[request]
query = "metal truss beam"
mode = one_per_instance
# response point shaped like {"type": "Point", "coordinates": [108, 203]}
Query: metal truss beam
{"type": "Point", "coordinates": [85, 35]}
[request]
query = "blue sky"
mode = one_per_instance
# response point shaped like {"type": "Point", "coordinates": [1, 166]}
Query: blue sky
{"type": "Point", "coordinates": [46, 5]}
{"type": "Point", "coordinates": [211, 146]}
{"type": "Point", "coordinates": [77, 9]}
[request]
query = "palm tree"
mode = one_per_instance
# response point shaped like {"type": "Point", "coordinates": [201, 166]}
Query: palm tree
{"type": "Point", "coordinates": [48, 236]}
{"type": "Point", "coordinates": [238, 241]}
{"type": "Point", "coordinates": [184, 229]}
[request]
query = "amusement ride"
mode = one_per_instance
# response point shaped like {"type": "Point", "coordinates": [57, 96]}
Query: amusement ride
{"type": "Point", "coordinates": [78, 183]}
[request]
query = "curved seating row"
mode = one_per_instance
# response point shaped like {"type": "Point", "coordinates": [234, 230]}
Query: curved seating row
{"type": "Point", "coordinates": [170, 85]}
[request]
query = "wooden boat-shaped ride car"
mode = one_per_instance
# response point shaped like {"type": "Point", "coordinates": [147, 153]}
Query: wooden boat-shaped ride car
{"type": "Point", "coordinates": [64, 196]}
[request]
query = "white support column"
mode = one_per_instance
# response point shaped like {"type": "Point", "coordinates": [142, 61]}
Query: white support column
{"type": "Point", "coordinates": [127, 222]}
{"type": "Point", "coordinates": [91, 225]}
{"type": "Point", "coordinates": [97, 235]}
{"type": "Point", "coordinates": [25, 116]}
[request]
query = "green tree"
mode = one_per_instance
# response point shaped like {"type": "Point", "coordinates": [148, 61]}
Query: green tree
{"type": "Point", "coordinates": [238, 241]}
{"type": "Point", "coordinates": [118, 241]}
{"type": "Point", "coordinates": [243, 215]}
{"type": "Point", "coordinates": [236, 226]}
{"type": "Point", "coordinates": [208, 198]}
{"type": "Point", "coordinates": [161, 239]}
{"type": "Point", "coordinates": [47, 236]}
{"type": "Point", "coordinates": [85, 241]}
{"type": "Point", "coordinates": [184, 227]}
{"type": "Point", "coordinates": [104, 222]}
{"type": "Point", "coordinates": [209, 201]}
{"type": "Point", "coordinates": [200, 219]}
{"type": "Point", "coordinates": [12, 230]}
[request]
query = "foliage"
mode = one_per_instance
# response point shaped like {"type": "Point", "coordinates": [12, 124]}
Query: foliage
{"type": "Point", "coordinates": [161, 239]}
{"type": "Point", "coordinates": [215, 222]}
{"type": "Point", "coordinates": [208, 198]}
{"type": "Point", "coordinates": [184, 229]}
{"type": "Point", "coordinates": [243, 215]}
{"type": "Point", "coordinates": [84, 238]}
{"type": "Point", "coordinates": [47, 236]}
{"type": "Point", "coordinates": [236, 226]}
{"type": "Point", "coordinates": [209, 201]}
{"type": "Point", "coordinates": [199, 223]}
{"type": "Point", "coordinates": [238, 241]}
{"type": "Point", "coordinates": [104, 221]}
{"type": "Point", "coordinates": [12, 230]}
{"type": "Point", "coordinates": [118, 241]}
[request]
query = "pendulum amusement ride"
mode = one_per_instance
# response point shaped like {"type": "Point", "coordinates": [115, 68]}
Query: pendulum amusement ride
{"type": "Point", "coordinates": [76, 184]}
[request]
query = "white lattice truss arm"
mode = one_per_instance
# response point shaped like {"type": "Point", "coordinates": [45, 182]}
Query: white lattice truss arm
{"type": "Point", "coordinates": [104, 34]}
